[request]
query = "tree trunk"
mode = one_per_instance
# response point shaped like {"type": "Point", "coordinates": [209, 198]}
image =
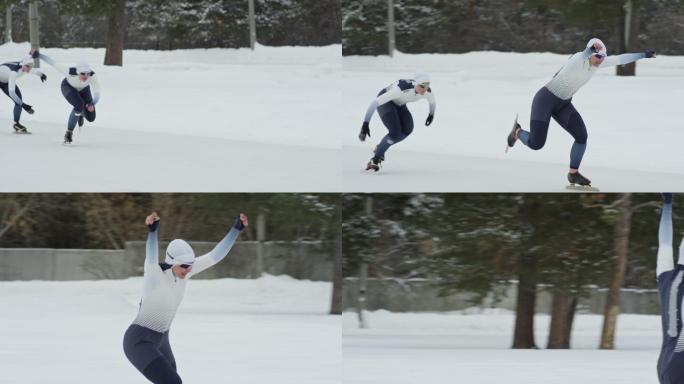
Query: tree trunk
{"type": "Point", "coordinates": [562, 315]}
{"type": "Point", "coordinates": [629, 32]}
{"type": "Point", "coordinates": [523, 337]}
{"type": "Point", "coordinates": [115, 33]}
{"type": "Point", "coordinates": [336, 305]}
{"type": "Point", "coordinates": [621, 245]}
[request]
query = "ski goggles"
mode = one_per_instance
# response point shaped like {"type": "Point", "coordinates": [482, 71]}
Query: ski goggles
{"type": "Point", "coordinates": [185, 266]}
{"type": "Point", "coordinates": [599, 56]}
{"type": "Point", "coordinates": [424, 85]}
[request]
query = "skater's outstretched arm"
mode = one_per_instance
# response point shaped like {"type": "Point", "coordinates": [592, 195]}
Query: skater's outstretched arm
{"type": "Point", "coordinates": [96, 89]}
{"type": "Point", "coordinates": [221, 249]}
{"type": "Point", "coordinates": [393, 93]}
{"type": "Point", "coordinates": [665, 262]}
{"type": "Point", "coordinates": [432, 101]}
{"type": "Point", "coordinates": [61, 69]}
{"type": "Point", "coordinates": [39, 73]}
{"type": "Point", "coordinates": [626, 58]}
{"type": "Point", "coordinates": [152, 246]}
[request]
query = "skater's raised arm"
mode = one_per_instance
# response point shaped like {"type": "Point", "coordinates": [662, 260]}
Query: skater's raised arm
{"type": "Point", "coordinates": [221, 249]}
{"type": "Point", "coordinates": [665, 262]}
{"type": "Point", "coordinates": [152, 246]}
{"type": "Point", "coordinates": [626, 58]}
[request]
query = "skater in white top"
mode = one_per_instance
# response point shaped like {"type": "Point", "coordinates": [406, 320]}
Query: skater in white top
{"type": "Point", "coordinates": [555, 100]}
{"type": "Point", "coordinates": [9, 74]}
{"type": "Point", "coordinates": [76, 89]}
{"type": "Point", "coordinates": [146, 342]}
{"type": "Point", "coordinates": [391, 105]}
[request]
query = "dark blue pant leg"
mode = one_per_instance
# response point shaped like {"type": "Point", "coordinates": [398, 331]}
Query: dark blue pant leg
{"type": "Point", "coordinates": [542, 107]}
{"type": "Point", "coordinates": [406, 121]}
{"type": "Point", "coordinates": [389, 114]}
{"type": "Point", "coordinates": [160, 371]}
{"type": "Point", "coordinates": [165, 349]}
{"type": "Point", "coordinates": [87, 98]}
{"type": "Point", "coordinates": [74, 98]}
{"type": "Point", "coordinates": [17, 107]}
{"type": "Point", "coordinates": [568, 118]}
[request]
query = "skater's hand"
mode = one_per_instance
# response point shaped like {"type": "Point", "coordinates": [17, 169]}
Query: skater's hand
{"type": "Point", "coordinates": [650, 54]}
{"type": "Point", "coordinates": [241, 222]}
{"type": "Point", "coordinates": [428, 121]}
{"type": "Point", "coordinates": [43, 77]}
{"type": "Point", "coordinates": [152, 221]}
{"type": "Point", "coordinates": [365, 131]}
{"type": "Point", "coordinates": [28, 108]}
{"type": "Point", "coordinates": [90, 107]}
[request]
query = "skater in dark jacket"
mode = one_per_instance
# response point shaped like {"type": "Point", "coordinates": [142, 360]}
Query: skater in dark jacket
{"type": "Point", "coordinates": [146, 342]}
{"type": "Point", "coordinates": [391, 105]}
{"type": "Point", "coordinates": [76, 89]}
{"type": "Point", "coordinates": [671, 292]}
{"type": "Point", "coordinates": [555, 100]}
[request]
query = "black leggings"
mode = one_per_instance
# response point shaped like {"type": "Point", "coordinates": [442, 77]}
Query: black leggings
{"type": "Point", "coordinates": [160, 371]}
{"type": "Point", "coordinates": [547, 105]}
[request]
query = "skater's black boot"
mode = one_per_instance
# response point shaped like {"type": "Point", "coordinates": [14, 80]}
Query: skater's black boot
{"type": "Point", "coordinates": [577, 178]}
{"type": "Point", "coordinates": [374, 163]}
{"type": "Point", "coordinates": [68, 136]}
{"type": "Point", "coordinates": [18, 128]}
{"type": "Point", "coordinates": [513, 135]}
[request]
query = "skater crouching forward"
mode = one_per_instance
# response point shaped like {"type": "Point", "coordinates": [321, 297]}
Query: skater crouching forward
{"type": "Point", "coordinates": [391, 105]}
{"type": "Point", "coordinates": [9, 73]}
{"type": "Point", "coordinates": [555, 100]}
{"type": "Point", "coordinates": [670, 292]}
{"type": "Point", "coordinates": [76, 90]}
{"type": "Point", "coordinates": [146, 342]}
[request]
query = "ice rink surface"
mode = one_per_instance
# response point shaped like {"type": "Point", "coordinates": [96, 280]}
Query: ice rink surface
{"type": "Point", "coordinates": [264, 331]}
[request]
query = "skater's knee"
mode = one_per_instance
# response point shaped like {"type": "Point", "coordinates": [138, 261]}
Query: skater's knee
{"type": "Point", "coordinates": [536, 145]}
{"type": "Point", "coordinates": [90, 116]}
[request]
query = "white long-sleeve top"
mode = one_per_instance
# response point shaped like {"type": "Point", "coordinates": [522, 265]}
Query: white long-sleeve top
{"type": "Point", "coordinates": [400, 93]}
{"type": "Point", "coordinates": [9, 73]}
{"type": "Point", "coordinates": [72, 77]}
{"type": "Point", "coordinates": [163, 291]}
{"type": "Point", "coordinates": [578, 71]}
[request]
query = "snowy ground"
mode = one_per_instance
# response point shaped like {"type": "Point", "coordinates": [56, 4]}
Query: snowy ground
{"type": "Point", "coordinates": [633, 124]}
{"type": "Point", "coordinates": [270, 330]}
{"type": "Point", "coordinates": [186, 120]}
{"type": "Point", "coordinates": [474, 348]}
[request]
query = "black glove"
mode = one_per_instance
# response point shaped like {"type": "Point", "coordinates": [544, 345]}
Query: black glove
{"type": "Point", "coordinates": [365, 131]}
{"type": "Point", "coordinates": [35, 54]}
{"type": "Point", "coordinates": [428, 121]}
{"type": "Point", "coordinates": [28, 108]}
{"type": "Point", "coordinates": [650, 54]}
{"type": "Point", "coordinates": [153, 227]}
{"type": "Point", "coordinates": [238, 224]}
{"type": "Point", "coordinates": [43, 77]}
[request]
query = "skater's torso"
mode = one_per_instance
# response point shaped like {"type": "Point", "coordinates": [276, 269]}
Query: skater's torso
{"type": "Point", "coordinates": [574, 74]}
{"type": "Point", "coordinates": [73, 79]}
{"type": "Point", "coordinates": [402, 92]}
{"type": "Point", "coordinates": [162, 294]}
{"type": "Point", "coordinates": [13, 69]}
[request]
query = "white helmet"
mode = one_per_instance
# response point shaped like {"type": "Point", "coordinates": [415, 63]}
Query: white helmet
{"type": "Point", "coordinates": [603, 51]}
{"type": "Point", "coordinates": [179, 252]}
{"type": "Point", "coordinates": [83, 67]}
{"type": "Point", "coordinates": [422, 78]}
{"type": "Point", "coordinates": [27, 60]}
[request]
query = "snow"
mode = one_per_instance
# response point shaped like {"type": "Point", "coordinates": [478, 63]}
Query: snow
{"type": "Point", "coordinates": [632, 122]}
{"type": "Point", "coordinates": [185, 114]}
{"type": "Point", "coordinates": [268, 330]}
{"type": "Point", "coordinates": [474, 347]}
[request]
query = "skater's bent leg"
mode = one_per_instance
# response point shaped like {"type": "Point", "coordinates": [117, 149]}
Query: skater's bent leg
{"type": "Point", "coordinates": [571, 121]}
{"type": "Point", "coordinates": [389, 114]}
{"type": "Point", "coordinates": [90, 116]}
{"type": "Point", "coordinates": [406, 120]}
{"type": "Point", "coordinates": [73, 119]}
{"type": "Point", "coordinates": [73, 97]}
{"type": "Point", "coordinates": [665, 262]}
{"type": "Point", "coordinates": [165, 349]}
{"type": "Point", "coordinates": [87, 98]}
{"type": "Point", "coordinates": [17, 107]}
{"type": "Point", "coordinates": [385, 143]}
{"type": "Point", "coordinates": [161, 372]}
{"type": "Point", "coordinates": [536, 137]}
